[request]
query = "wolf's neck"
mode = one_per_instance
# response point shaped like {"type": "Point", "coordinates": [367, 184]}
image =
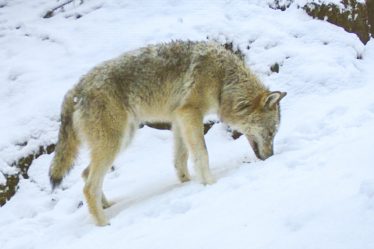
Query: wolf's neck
{"type": "Point", "coordinates": [237, 77]}
{"type": "Point", "coordinates": [241, 91]}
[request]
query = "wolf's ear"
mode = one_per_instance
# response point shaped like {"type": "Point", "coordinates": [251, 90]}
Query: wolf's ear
{"type": "Point", "coordinates": [273, 98]}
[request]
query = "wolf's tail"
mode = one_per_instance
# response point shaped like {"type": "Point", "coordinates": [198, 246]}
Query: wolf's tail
{"type": "Point", "coordinates": [67, 145]}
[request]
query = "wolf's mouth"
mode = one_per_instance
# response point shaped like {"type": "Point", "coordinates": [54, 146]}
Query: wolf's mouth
{"type": "Point", "coordinates": [255, 148]}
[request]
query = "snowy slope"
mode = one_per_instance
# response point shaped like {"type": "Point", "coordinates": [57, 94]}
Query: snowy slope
{"type": "Point", "coordinates": [317, 191]}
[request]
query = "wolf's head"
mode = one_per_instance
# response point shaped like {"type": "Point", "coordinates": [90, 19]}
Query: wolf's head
{"type": "Point", "coordinates": [258, 119]}
{"type": "Point", "coordinates": [262, 124]}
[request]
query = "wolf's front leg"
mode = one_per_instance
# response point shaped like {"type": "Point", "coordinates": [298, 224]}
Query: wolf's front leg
{"type": "Point", "coordinates": [190, 122]}
{"type": "Point", "coordinates": [180, 155]}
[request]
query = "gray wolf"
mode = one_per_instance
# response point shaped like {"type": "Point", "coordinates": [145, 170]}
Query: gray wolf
{"type": "Point", "coordinates": [177, 82]}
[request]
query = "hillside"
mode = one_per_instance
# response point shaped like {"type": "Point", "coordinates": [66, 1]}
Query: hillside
{"type": "Point", "coordinates": [317, 191]}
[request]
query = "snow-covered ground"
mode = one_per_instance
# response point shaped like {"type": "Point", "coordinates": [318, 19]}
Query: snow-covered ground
{"type": "Point", "coordinates": [317, 191]}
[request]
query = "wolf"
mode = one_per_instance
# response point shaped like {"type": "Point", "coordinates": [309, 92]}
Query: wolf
{"type": "Point", "coordinates": [177, 82]}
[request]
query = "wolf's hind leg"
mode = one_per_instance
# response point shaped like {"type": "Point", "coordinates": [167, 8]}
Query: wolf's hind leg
{"type": "Point", "coordinates": [102, 157]}
{"type": "Point", "coordinates": [104, 201]}
{"type": "Point", "coordinates": [104, 126]}
{"type": "Point", "coordinates": [180, 155]}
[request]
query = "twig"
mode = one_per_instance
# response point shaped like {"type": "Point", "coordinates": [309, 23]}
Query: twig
{"type": "Point", "coordinates": [49, 13]}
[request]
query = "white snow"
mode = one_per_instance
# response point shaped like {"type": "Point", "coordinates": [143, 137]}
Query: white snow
{"type": "Point", "coordinates": [317, 191]}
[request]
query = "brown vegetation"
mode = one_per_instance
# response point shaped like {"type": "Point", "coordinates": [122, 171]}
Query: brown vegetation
{"type": "Point", "coordinates": [355, 17]}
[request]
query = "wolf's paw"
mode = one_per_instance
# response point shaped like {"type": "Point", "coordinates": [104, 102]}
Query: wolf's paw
{"type": "Point", "coordinates": [208, 180]}
{"type": "Point", "coordinates": [107, 204]}
{"type": "Point", "coordinates": [101, 222]}
{"type": "Point", "coordinates": [184, 177]}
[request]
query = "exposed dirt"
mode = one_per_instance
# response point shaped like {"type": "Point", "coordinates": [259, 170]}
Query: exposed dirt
{"type": "Point", "coordinates": [23, 164]}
